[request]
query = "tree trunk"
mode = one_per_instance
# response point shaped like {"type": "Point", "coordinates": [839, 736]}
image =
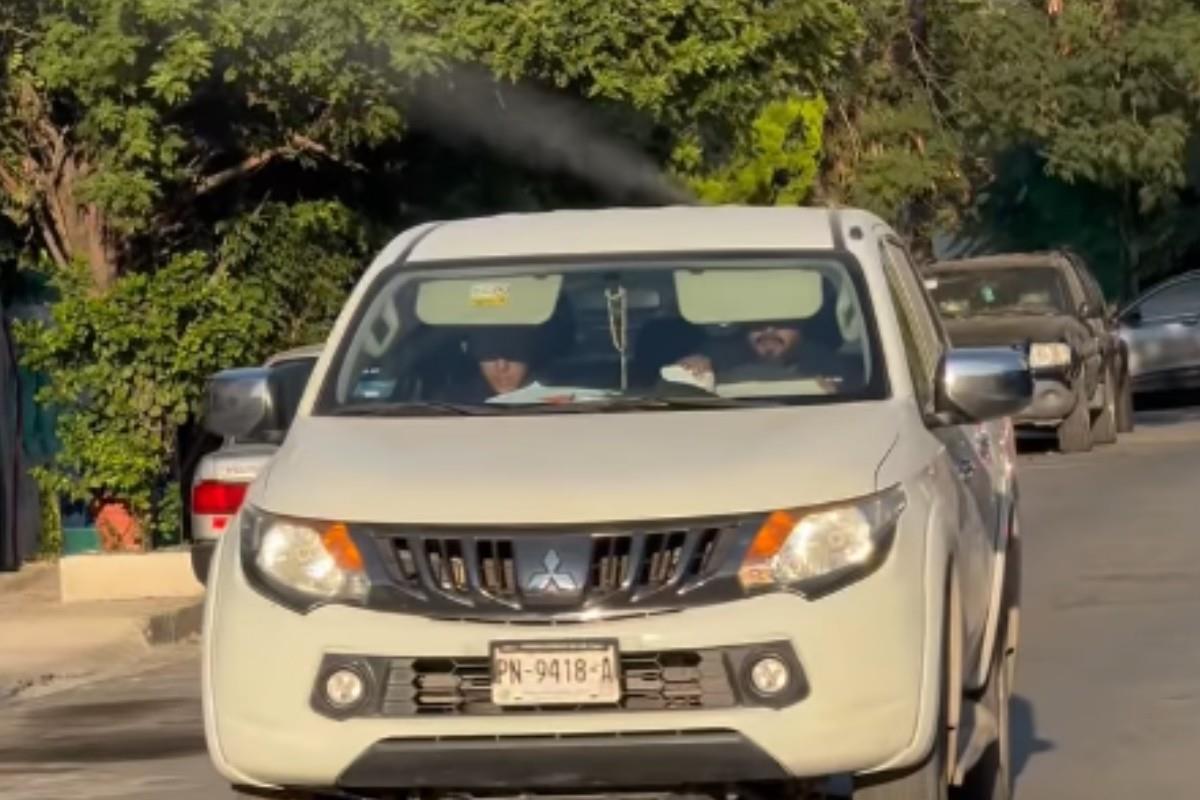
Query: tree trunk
{"type": "Point", "coordinates": [78, 229]}
{"type": "Point", "coordinates": [43, 182]}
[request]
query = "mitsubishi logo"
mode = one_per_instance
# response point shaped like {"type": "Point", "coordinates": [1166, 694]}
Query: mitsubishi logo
{"type": "Point", "coordinates": [549, 580]}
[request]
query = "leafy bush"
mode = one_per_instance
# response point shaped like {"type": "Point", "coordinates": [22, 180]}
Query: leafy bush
{"type": "Point", "coordinates": [127, 367]}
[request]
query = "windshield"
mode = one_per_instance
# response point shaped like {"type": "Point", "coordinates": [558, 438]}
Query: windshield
{"type": "Point", "coordinates": [606, 337]}
{"type": "Point", "coordinates": [977, 292]}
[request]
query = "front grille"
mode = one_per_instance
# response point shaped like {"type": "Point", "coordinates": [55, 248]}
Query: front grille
{"type": "Point", "coordinates": [666, 681]}
{"type": "Point", "coordinates": [551, 574]}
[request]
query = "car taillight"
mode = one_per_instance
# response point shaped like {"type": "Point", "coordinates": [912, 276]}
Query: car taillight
{"type": "Point", "coordinates": [218, 497]}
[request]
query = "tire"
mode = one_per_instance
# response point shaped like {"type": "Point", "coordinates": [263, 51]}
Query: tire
{"type": "Point", "coordinates": [991, 777]}
{"type": "Point", "coordinates": [1075, 432]}
{"type": "Point", "coordinates": [927, 781]}
{"type": "Point", "coordinates": [250, 793]}
{"type": "Point", "coordinates": [1104, 427]}
{"type": "Point", "coordinates": [1125, 421]}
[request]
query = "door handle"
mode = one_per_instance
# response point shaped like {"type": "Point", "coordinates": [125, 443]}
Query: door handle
{"type": "Point", "coordinates": [1190, 322]}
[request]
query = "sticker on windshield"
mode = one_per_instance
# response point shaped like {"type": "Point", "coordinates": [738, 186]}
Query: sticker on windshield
{"type": "Point", "coordinates": [931, 283]}
{"type": "Point", "coordinates": [489, 295]}
{"type": "Point", "coordinates": [989, 294]}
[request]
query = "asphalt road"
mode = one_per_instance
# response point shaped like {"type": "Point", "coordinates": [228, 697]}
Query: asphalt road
{"type": "Point", "coordinates": [1108, 685]}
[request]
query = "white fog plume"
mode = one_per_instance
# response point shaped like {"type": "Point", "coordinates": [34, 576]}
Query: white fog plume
{"type": "Point", "coordinates": [539, 130]}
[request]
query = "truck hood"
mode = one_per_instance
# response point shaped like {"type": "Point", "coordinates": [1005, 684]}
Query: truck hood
{"type": "Point", "coordinates": [577, 468]}
{"type": "Point", "coordinates": [999, 331]}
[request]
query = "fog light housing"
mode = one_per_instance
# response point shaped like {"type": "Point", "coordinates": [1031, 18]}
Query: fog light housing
{"type": "Point", "coordinates": [345, 689]}
{"type": "Point", "coordinates": [769, 676]}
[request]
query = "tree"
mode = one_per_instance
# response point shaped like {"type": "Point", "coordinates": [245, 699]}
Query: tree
{"type": "Point", "coordinates": [1105, 95]}
{"type": "Point", "coordinates": [119, 117]}
{"type": "Point", "coordinates": [890, 144]}
{"type": "Point", "coordinates": [127, 366]}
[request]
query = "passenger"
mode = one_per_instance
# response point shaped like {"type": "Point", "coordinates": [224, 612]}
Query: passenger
{"type": "Point", "coordinates": [505, 357]}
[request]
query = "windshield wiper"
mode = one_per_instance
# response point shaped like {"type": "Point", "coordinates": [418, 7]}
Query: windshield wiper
{"type": "Point", "coordinates": [649, 403]}
{"type": "Point", "coordinates": [1035, 311]}
{"type": "Point", "coordinates": [412, 409]}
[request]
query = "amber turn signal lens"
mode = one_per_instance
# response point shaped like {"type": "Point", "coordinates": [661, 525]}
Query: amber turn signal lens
{"type": "Point", "coordinates": [771, 536]}
{"type": "Point", "coordinates": [340, 545]}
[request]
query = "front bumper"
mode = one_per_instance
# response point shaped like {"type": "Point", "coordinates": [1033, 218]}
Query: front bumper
{"type": "Point", "coordinates": [869, 661]}
{"type": "Point", "coordinates": [1053, 401]}
{"type": "Point", "coordinates": [574, 763]}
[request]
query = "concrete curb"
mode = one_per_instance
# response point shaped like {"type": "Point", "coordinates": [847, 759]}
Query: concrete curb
{"type": "Point", "coordinates": [172, 627]}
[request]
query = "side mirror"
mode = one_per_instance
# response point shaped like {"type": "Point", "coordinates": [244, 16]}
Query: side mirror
{"type": "Point", "coordinates": [979, 384]}
{"type": "Point", "coordinates": [239, 402]}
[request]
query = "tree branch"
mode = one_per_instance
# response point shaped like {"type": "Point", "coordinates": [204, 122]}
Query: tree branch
{"type": "Point", "coordinates": [9, 182]}
{"type": "Point", "coordinates": [297, 145]}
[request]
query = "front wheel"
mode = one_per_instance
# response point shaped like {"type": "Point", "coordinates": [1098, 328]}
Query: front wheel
{"type": "Point", "coordinates": [1125, 407]}
{"type": "Point", "coordinates": [991, 777]}
{"type": "Point", "coordinates": [928, 781]}
{"type": "Point", "coordinates": [1075, 432]}
{"type": "Point", "coordinates": [1104, 427]}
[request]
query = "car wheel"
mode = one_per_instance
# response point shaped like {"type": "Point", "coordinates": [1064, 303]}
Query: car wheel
{"type": "Point", "coordinates": [991, 777]}
{"type": "Point", "coordinates": [928, 781]}
{"type": "Point", "coordinates": [250, 793]}
{"type": "Point", "coordinates": [1104, 427]}
{"type": "Point", "coordinates": [1075, 432]}
{"type": "Point", "coordinates": [1125, 407]}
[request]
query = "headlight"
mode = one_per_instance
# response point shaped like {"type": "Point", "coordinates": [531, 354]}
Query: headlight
{"type": "Point", "coordinates": [813, 549]}
{"type": "Point", "coordinates": [304, 559]}
{"type": "Point", "coordinates": [1049, 354]}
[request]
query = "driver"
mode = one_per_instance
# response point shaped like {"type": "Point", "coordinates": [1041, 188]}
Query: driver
{"type": "Point", "coordinates": [769, 351]}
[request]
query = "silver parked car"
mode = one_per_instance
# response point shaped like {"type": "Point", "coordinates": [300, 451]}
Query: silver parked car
{"type": "Point", "coordinates": [1162, 330]}
{"type": "Point", "coordinates": [222, 476]}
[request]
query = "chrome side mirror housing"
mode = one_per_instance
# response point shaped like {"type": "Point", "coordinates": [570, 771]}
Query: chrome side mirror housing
{"type": "Point", "coordinates": [981, 384]}
{"type": "Point", "coordinates": [239, 403]}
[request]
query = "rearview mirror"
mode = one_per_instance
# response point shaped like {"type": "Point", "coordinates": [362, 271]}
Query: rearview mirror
{"type": "Point", "coordinates": [980, 384]}
{"type": "Point", "coordinates": [239, 402]}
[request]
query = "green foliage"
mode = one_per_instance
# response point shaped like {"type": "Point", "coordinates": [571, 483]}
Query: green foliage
{"type": "Point", "coordinates": [733, 82]}
{"type": "Point", "coordinates": [304, 258]}
{"type": "Point", "coordinates": [51, 542]}
{"type": "Point", "coordinates": [890, 147]}
{"type": "Point", "coordinates": [775, 163]}
{"type": "Point", "coordinates": [1107, 98]}
{"type": "Point", "coordinates": [128, 366]}
{"type": "Point", "coordinates": [216, 164]}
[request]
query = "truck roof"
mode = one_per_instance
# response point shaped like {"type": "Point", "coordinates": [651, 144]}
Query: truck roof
{"type": "Point", "coordinates": [637, 231]}
{"type": "Point", "coordinates": [1003, 261]}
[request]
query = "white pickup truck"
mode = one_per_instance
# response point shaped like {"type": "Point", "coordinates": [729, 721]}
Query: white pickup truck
{"type": "Point", "coordinates": [669, 501]}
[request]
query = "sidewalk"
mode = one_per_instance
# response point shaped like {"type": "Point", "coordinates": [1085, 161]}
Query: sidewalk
{"type": "Point", "coordinates": [45, 643]}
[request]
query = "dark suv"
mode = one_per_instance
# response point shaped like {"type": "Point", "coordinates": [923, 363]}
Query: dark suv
{"type": "Point", "coordinates": [1052, 303]}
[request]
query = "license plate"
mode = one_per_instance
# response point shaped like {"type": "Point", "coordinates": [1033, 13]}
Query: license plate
{"type": "Point", "coordinates": [555, 673]}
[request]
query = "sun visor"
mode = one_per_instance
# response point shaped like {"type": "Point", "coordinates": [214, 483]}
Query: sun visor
{"type": "Point", "coordinates": [716, 296]}
{"type": "Point", "coordinates": [518, 300]}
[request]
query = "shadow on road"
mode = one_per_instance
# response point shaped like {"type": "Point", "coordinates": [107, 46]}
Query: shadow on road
{"type": "Point", "coordinates": [86, 713]}
{"type": "Point", "coordinates": [1024, 737]}
{"type": "Point", "coordinates": [142, 729]}
{"type": "Point", "coordinates": [1033, 442]}
{"type": "Point", "coordinates": [101, 746]}
{"type": "Point", "coordinates": [1179, 400]}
